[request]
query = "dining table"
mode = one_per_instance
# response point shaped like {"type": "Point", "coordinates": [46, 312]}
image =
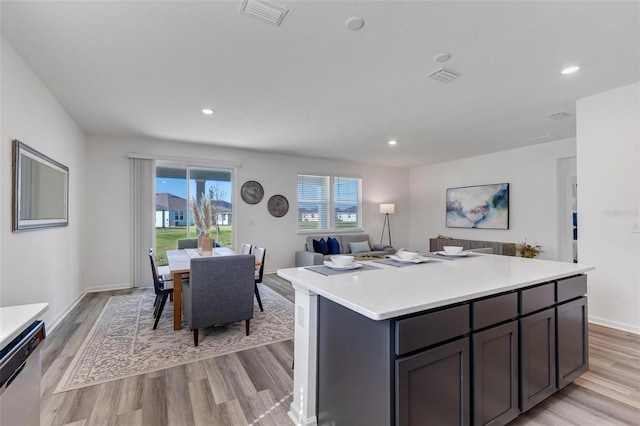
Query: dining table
{"type": "Point", "coordinates": [180, 265]}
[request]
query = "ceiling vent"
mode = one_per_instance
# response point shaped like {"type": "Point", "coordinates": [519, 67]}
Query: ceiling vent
{"type": "Point", "coordinates": [264, 10]}
{"type": "Point", "coordinates": [443, 75]}
{"type": "Point", "coordinates": [559, 115]}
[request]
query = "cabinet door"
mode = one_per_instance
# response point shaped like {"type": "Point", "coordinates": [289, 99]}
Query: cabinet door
{"type": "Point", "coordinates": [495, 375]}
{"type": "Point", "coordinates": [432, 387]}
{"type": "Point", "coordinates": [572, 340]}
{"type": "Point", "coordinates": [538, 358]}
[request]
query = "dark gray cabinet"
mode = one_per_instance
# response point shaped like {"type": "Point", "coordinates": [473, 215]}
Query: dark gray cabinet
{"type": "Point", "coordinates": [495, 375]}
{"type": "Point", "coordinates": [572, 340]}
{"type": "Point", "coordinates": [537, 357]}
{"type": "Point", "coordinates": [432, 387]}
{"type": "Point", "coordinates": [479, 362]}
{"type": "Point", "coordinates": [355, 368]}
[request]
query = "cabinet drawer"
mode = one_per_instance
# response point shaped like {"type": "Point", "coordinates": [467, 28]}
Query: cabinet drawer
{"type": "Point", "coordinates": [494, 310]}
{"type": "Point", "coordinates": [571, 288]}
{"type": "Point", "coordinates": [533, 299]}
{"type": "Point", "coordinates": [431, 328]}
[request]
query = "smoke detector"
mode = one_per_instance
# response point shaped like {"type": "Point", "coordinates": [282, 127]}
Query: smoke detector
{"type": "Point", "coordinates": [443, 75]}
{"type": "Point", "coordinates": [559, 115]}
{"type": "Point", "coordinates": [264, 10]}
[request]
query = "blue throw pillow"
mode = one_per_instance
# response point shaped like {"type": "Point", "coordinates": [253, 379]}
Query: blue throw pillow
{"type": "Point", "coordinates": [321, 246]}
{"type": "Point", "coordinates": [334, 245]}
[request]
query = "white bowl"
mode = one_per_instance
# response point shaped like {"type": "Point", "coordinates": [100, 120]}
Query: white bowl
{"type": "Point", "coordinates": [341, 260]}
{"type": "Point", "coordinates": [407, 255]}
{"type": "Point", "coordinates": [452, 249]}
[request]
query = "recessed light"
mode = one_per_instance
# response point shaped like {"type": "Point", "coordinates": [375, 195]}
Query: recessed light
{"type": "Point", "coordinates": [207, 111]}
{"type": "Point", "coordinates": [392, 142]}
{"type": "Point", "coordinates": [442, 57]}
{"type": "Point", "coordinates": [570, 70]}
{"type": "Point", "coordinates": [354, 23]}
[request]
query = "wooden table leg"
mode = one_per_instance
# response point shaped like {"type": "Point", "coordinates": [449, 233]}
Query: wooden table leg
{"type": "Point", "coordinates": [177, 301]}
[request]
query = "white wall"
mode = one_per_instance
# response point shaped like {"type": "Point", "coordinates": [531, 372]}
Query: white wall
{"type": "Point", "coordinates": [609, 202]}
{"type": "Point", "coordinates": [533, 200]}
{"type": "Point", "coordinates": [109, 234]}
{"type": "Point", "coordinates": [41, 265]}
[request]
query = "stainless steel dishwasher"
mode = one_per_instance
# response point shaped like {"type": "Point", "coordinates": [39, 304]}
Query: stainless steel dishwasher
{"type": "Point", "coordinates": [20, 378]}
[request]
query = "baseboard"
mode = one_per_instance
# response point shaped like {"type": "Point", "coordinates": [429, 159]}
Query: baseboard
{"type": "Point", "coordinates": [295, 416]}
{"type": "Point", "coordinates": [615, 324]}
{"type": "Point", "coordinates": [96, 289]}
{"type": "Point", "coordinates": [52, 325]}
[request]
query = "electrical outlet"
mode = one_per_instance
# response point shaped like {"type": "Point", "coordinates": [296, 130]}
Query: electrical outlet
{"type": "Point", "coordinates": [635, 227]}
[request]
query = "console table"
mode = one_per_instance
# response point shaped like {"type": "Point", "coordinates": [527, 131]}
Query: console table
{"type": "Point", "coordinates": [506, 249]}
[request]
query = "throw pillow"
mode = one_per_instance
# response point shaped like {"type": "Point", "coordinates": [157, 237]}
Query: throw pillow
{"type": "Point", "coordinates": [359, 247]}
{"type": "Point", "coordinates": [321, 246]}
{"type": "Point", "coordinates": [334, 245]}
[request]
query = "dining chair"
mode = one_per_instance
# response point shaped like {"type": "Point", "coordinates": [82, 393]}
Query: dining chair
{"type": "Point", "coordinates": [161, 290]}
{"type": "Point", "coordinates": [187, 243]}
{"type": "Point", "coordinates": [260, 254]}
{"type": "Point", "coordinates": [219, 292]}
{"type": "Point", "coordinates": [246, 248]}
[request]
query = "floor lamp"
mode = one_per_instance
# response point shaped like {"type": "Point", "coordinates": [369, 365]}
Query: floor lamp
{"type": "Point", "coordinates": [387, 209]}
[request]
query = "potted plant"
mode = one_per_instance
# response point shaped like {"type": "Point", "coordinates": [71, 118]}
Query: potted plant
{"type": "Point", "coordinates": [524, 249]}
{"type": "Point", "coordinates": [203, 219]}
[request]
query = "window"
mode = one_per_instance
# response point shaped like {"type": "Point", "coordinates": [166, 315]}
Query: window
{"type": "Point", "coordinates": [176, 184]}
{"type": "Point", "coordinates": [329, 202]}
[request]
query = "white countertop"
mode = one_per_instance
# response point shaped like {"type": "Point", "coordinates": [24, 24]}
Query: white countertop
{"type": "Point", "coordinates": [391, 291]}
{"type": "Point", "coordinates": [14, 319]}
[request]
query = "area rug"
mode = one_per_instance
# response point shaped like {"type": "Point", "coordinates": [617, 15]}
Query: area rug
{"type": "Point", "coordinates": [122, 343]}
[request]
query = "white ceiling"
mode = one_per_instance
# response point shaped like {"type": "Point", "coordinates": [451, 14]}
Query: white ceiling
{"type": "Point", "coordinates": [313, 87]}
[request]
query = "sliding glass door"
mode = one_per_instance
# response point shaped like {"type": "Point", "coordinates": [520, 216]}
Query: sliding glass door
{"type": "Point", "coordinates": [176, 185]}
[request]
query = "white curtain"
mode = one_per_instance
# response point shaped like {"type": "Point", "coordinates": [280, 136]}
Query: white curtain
{"type": "Point", "coordinates": [143, 189]}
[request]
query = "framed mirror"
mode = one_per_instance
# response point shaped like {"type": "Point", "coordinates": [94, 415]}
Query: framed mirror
{"type": "Point", "coordinates": [40, 190]}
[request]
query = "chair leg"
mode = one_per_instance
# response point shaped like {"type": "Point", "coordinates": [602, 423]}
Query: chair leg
{"type": "Point", "coordinates": [162, 302]}
{"type": "Point", "coordinates": [246, 327]}
{"type": "Point", "coordinates": [258, 297]}
{"type": "Point", "coordinates": [195, 337]}
{"type": "Point", "coordinates": [156, 305]}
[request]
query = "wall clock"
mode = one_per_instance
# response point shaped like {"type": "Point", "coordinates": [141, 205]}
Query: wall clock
{"type": "Point", "coordinates": [278, 205]}
{"type": "Point", "coordinates": [251, 192]}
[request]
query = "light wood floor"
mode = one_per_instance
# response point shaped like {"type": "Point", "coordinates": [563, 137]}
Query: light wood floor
{"type": "Point", "coordinates": [253, 387]}
{"type": "Point", "coordinates": [608, 394]}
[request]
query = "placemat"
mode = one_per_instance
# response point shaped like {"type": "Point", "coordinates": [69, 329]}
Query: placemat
{"type": "Point", "coordinates": [397, 264]}
{"type": "Point", "coordinates": [325, 270]}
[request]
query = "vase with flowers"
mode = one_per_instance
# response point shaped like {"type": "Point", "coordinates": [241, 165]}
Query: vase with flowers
{"type": "Point", "coordinates": [203, 219]}
{"type": "Point", "coordinates": [524, 249]}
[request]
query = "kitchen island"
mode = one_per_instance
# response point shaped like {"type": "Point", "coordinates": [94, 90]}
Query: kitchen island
{"type": "Point", "coordinates": [389, 345]}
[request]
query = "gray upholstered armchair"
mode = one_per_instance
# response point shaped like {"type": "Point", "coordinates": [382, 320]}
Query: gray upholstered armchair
{"type": "Point", "coordinates": [219, 291]}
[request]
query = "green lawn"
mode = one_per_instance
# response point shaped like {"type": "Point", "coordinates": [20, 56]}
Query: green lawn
{"type": "Point", "coordinates": [167, 239]}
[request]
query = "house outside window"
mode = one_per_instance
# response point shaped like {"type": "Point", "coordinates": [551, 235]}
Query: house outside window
{"type": "Point", "coordinates": [329, 202]}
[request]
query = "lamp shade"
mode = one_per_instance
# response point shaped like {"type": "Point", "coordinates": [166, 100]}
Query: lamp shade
{"type": "Point", "coordinates": [387, 208]}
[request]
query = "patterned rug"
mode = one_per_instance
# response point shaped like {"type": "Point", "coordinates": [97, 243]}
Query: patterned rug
{"type": "Point", "coordinates": [123, 343]}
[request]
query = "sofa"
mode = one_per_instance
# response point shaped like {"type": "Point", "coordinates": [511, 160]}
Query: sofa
{"type": "Point", "coordinates": [309, 256]}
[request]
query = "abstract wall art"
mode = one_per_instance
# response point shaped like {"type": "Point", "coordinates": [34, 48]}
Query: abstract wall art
{"type": "Point", "coordinates": [482, 206]}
